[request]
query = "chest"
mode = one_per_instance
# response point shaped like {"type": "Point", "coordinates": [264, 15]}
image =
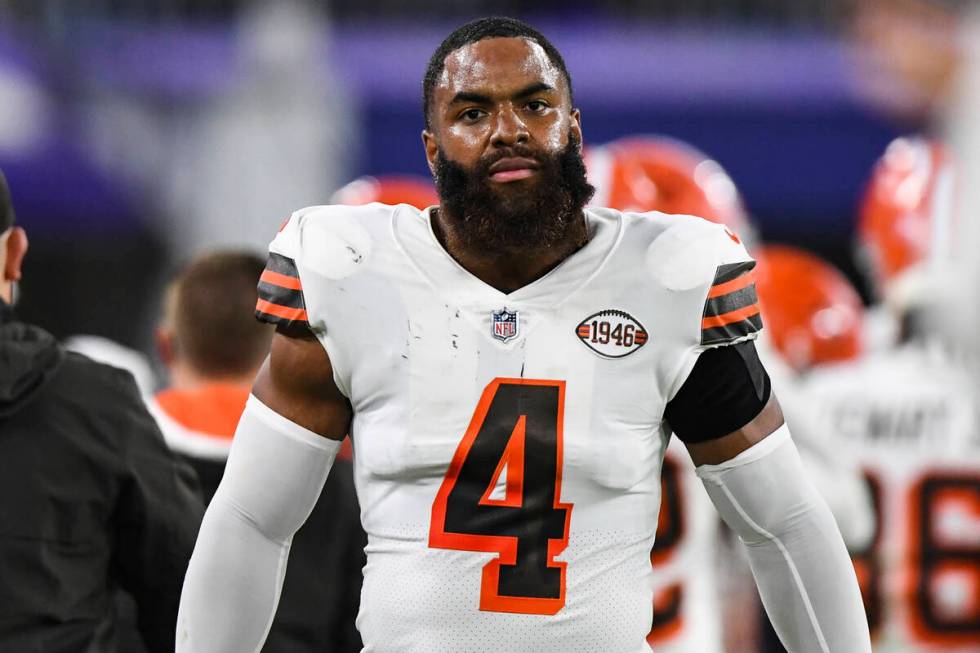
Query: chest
{"type": "Point", "coordinates": [579, 377]}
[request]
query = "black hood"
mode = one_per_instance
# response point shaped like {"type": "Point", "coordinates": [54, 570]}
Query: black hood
{"type": "Point", "coordinates": [29, 357]}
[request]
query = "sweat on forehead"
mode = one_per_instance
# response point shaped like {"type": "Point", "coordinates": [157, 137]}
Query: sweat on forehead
{"type": "Point", "coordinates": [480, 30]}
{"type": "Point", "coordinates": [498, 62]}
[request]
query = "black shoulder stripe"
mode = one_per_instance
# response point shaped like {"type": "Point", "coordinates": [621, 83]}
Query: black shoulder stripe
{"type": "Point", "coordinates": [280, 293]}
{"type": "Point", "coordinates": [282, 265]}
{"type": "Point", "coordinates": [281, 296]}
{"type": "Point", "coordinates": [731, 271]}
{"type": "Point", "coordinates": [731, 331]}
{"type": "Point", "coordinates": [732, 301]}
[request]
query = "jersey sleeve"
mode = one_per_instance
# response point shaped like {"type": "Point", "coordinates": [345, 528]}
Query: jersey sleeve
{"type": "Point", "coordinates": [721, 385]}
{"type": "Point", "coordinates": [705, 285]}
{"type": "Point", "coordinates": [731, 308]}
{"type": "Point", "coordinates": [281, 300]}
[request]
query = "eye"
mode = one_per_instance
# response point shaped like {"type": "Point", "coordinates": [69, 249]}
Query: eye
{"type": "Point", "coordinates": [537, 106]}
{"type": "Point", "coordinates": [472, 115]}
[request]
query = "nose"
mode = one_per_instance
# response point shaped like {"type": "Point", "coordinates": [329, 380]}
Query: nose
{"type": "Point", "coordinates": [509, 128]}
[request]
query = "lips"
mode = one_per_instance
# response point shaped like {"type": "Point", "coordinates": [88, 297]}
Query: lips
{"type": "Point", "coordinates": [513, 169]}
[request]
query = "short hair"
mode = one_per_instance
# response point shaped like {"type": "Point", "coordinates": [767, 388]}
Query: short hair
{"type": "Point", "coordinates": [6, 205]}
{"type": "Point", "coordinates": [478, 30]}
{"type": "Point", "coordinates": [212, 313]}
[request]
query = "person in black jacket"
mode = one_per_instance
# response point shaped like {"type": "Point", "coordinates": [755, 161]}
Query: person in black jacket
{"type": "Point", "coordinates": [91, 499]}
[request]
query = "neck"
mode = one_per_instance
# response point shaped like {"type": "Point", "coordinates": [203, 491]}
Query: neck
{"type": "Point", "coordinates": [508, 271]}
{"type": "Point", "coordinates": [185, 377]}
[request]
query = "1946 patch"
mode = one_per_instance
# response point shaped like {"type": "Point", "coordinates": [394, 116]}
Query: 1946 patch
{"type": "Point", "coordinates": [611, 333]}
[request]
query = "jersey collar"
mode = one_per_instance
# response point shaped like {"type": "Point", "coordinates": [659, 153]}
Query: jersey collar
{"type": "Point", "coordinates": [414, 235]}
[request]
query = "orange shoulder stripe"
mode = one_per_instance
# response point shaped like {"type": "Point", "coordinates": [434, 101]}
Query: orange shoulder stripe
{"type": "Point", "coordinates": [281, 280]}
{"type": "Point", "coordinates": [731, 286]}
{"type": "Point", "coordinates": [294, 314]}
{"type": "Point", "coordinates": [730, 317]}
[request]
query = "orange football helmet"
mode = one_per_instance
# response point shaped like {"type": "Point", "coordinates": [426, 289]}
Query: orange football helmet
{"type": "Point", "coordinates": [656, 173]}
{"type": "Point", "coordinates": [812, 313]}
{"type": "Point", "coordinates": [906, 215]}
{"type": "Point", "coordinates": [388, 189]}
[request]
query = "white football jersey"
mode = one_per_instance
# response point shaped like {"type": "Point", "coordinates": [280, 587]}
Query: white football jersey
{"type": "Point", "coordinates": [508, 447]}
{"type": "Point", "coordinates": [910, 418]}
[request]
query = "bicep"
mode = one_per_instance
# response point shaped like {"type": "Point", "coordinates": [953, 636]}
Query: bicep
{"type": "Point", "coordinates": [725, 405]}
{"type": "Point", "coordinates": [296, 381]}
{"type": "Point", "coordinates": [719, 450]}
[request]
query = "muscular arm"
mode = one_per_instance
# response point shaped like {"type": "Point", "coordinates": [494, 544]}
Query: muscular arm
{"type": "Point", "coordinates": [296, 381]}
{"type": "Point", "coordinates": [754, 477]}
{"type": "Point", "coordinates": [283, 449]}
{"type": "Point", "coordinates": [717, 451]}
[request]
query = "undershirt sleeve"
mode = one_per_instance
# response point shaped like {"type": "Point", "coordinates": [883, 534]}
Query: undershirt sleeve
{"type": "Point", "coordinates": [725, 390]}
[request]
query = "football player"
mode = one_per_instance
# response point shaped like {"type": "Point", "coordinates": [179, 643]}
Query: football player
{"type": "Point", "coordinates": [510, 366]}
{"type": "Point", "coordinates": [910, 415]}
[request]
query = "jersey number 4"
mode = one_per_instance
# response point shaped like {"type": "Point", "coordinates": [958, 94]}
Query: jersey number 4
{"type": "Point", "coordinates": [502, 494]}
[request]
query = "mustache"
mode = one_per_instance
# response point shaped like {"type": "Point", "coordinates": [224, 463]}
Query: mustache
{"type": "Point", "coordinates": [510, 152]}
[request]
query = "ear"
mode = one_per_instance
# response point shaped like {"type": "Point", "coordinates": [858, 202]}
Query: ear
{"type": "Point", "coordinates": [431, 150]}
{"type": "Point", "coordinates": [576, 126]}
{"type": "Point", "coordinates": [166, 345]}
{"type": "Point", "coordinates": [16, 249]}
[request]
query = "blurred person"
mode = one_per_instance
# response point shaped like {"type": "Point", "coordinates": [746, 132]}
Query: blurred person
{"type": "Point", "coordinates": [229, 176]}
{"type": "Point", "coordinates": [657, 173]}
{"type": "Point", "coordinates": [813, 313]}
{"type": "Point", "coordinates": [508, 407]}
{"type": "Point", "coordinates": [110, 352]}
{"type": "Point", "coordinates": [910, 414]}
{"type": "Point", "coordinates": [660, 173]}
{"type": "Point", "coordinates": [962, 134]}
{"type": "Point", "coordinates": [93, 501]}
{"type": "Point", "coordinates": [909, 52]}
{"type": "Point", "coordinates": [212, 160]}
{"type": "Point", "coordinates": [213, 347]}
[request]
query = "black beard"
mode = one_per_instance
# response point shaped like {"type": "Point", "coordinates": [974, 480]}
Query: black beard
{"type": "Point", "coordinates": [488, 219]}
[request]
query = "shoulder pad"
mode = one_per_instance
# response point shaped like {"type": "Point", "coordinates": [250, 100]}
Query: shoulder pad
{"type": "Point", "coordinates": [688, 253]}
{"type": "Point", "coordinates": [330, 240]}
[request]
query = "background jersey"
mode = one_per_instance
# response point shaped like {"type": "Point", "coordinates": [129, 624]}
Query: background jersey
{"type": "Point", "coordinates": [687, 615]}
{"type": "Point", "coordinates": [910, 417]}
{"type": "Point", "coordinates": [508, 446]}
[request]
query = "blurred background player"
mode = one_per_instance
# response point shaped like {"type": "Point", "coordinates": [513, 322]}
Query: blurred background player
{"type": "Point", "coordinates": [657, 173]}
{"type": "Point", "coordinates": [93, 501]}
{"type": "Point", "coordinates": [814, 314]}
{"type": "Point", "coordinates": [213, 346]}
{"type": "Point", "coordinates": [910, 416]}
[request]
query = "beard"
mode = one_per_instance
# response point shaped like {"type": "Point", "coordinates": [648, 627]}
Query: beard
{"type": "Point", "coordinates": [517, 216]}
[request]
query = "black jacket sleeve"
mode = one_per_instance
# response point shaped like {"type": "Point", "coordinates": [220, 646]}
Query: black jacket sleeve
{"type": "Point", "coordinates": [158, 514]}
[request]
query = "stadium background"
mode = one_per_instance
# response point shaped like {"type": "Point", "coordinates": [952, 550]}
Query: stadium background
{"type": "Point", "coordinates": [126, 125]}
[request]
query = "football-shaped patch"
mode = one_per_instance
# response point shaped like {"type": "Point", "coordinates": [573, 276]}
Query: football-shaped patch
{"type": "Point", "coordinates": [611, 333]}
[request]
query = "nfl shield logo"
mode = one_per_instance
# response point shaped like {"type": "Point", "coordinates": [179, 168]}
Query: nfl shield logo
{"type": "Point", "coordinates": [504, 324]}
